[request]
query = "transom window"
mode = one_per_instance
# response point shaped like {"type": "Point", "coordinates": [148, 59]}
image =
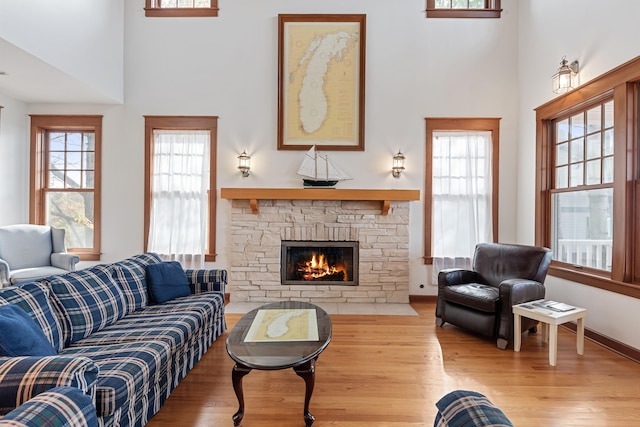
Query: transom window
{"type": "Point", "coordinates": [178, 8]}
{"type": "Point", "coordinates": [463, 9]}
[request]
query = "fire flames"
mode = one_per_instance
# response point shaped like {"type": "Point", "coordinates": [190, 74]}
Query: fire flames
{"type": "Point", "coordinates": [318, 268]}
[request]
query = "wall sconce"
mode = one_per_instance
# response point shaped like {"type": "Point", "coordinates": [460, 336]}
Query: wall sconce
{"type": "Point", "coordinates": [244, 163]}
{"type": "Point", "coordinates": [398, 164]}
{"type": "Point", "coordinates": [566, 78]}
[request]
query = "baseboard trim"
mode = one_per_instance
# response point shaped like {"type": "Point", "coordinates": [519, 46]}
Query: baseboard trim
{"type": "Point", "coordinates": [423, 298]}
{"type": "Point", "coordinates": [607, 342]}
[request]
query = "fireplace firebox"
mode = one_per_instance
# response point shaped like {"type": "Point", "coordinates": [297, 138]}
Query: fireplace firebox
{"type": "Point", "coordinates": [319, 263]}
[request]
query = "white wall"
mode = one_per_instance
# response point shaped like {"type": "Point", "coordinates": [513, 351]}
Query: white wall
{"type": "Point", "coordinates": [601, 35]}
{"type": "Point", "coordinates": [227, 67]}
{"type": "Point", "coordinates": [14, 162]}
{"type": "Point", "coordinates": [84, 39]}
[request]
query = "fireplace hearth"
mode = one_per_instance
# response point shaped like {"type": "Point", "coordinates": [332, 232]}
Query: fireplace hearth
{"type": "Point", "coordinates": [319, 263]}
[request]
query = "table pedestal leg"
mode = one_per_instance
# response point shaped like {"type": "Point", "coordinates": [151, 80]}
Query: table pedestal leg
{"type": "Point", "coordinates": [307, 372]}
{"type": "Point", "coordinates": [238, 372]}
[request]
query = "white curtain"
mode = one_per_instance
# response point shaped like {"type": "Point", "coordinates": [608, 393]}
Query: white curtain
{"type": "Point", "coordinates": [179, 206]}
{"type": "Point", "coordinates": [462, 206]}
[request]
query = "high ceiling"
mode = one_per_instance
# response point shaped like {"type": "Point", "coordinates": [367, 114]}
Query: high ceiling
{"type": "Point", "coordinates": [31, 80]}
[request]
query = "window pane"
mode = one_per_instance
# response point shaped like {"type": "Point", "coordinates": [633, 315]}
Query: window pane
{"type": "Point", "coordinates": [443, 4]}
{"type": "Point", "coordinates": [73, 160]}
{"type": "Point", "coordinates": [89, 161]}
{"type": "Point", "coordinates": [594, 119]}
{"type": "Point", "coordinates": [577, 175]}
{"type": "Point", "coordinates": [459, 4]}
{"type": "Point", "coordinates": [56, 160]}
{"type": "Point", "coordinates": [56, 141]}
{"type": "Point", "coordinates": [74, 141]}
{"type": "Point", "coordinates": [562, 130]}
{"type": "Point", "coordinates": [56, 180]}
{"type": "Point", "coordinates": [582, 227]}
{"type": "Point", "coordinates": [73, 179]}
{"type": "Point", "coordinates": [562, 154]}
{"type": "Point", "coordinates": [593, 146]}
{"type": "Point", "coordinates": [562, 177]}
{"type": "Point", "coordinates": [608, 143]}
{"type": "Point", "coordinates": [89, 141]}
{"type": "Point", "coordinates": [88, 179]}
{"type": "Point", "coordinates": [476, 4]}
{"type": "Point", "coordinates": [593, 172]}
{"type": "Point", "coordinates": [607, 170]}
{"type": "Point", "coordinates": [74, 213]}
{"type": "Point", "coordinates": [608, 114]}
{"type": "Point", "coordinates": [577, 150]}
{"type": "Point", "coordinates": [577, 125]}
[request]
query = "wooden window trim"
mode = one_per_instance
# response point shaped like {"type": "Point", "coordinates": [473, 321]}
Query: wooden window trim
{"type": "Point", "coordinates": [459, 124]}
{"type": "Point", "coordinates": [491, 10]}
{"type": "Point", "coordinates": [152, 10]}
{"type": "Point", "coordinates": [182, 123]}
{"type": "Point", "coordinates": [39, 125]}
{"type": "Point", "coordinates": [621, 83]}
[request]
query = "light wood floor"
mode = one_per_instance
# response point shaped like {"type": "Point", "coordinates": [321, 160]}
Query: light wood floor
{"type": "Point", "coordinates": [390, 371]}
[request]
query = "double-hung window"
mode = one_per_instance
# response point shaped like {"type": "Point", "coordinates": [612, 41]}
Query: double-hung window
{"type": "Point", "coordinates": [65, 179]}
{"type": "Point", "coordinates": [181, 8]}
{"type": "Point", "coordinates": [461, 189]}
{"type": "Point", "coordinates": [588, 181]}
{"type": "Point", "coordinates": [582, 191]}
{"type": "Point", "coordinates": [180, 188]}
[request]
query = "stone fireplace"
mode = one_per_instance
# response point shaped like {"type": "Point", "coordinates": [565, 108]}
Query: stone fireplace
{"type": "Point", "coordinates": [374, 223]}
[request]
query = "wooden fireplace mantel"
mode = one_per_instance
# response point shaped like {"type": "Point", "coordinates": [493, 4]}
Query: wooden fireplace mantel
{"type": "Point", "coordinates": [255, 194]}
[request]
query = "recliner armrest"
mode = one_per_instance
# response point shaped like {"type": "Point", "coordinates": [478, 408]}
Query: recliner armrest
{"type": "Point", "coordinates": [64, 260]}
{"type": "Point", "coordinates": [517, 291]}
{"type": "Point", "coordinates": [457, 276]}
{"type": "Point", "coordinates": [4, 273]}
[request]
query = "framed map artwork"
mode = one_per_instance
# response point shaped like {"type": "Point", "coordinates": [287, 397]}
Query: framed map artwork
{"type": "Point", "coordinates": [321, 65]}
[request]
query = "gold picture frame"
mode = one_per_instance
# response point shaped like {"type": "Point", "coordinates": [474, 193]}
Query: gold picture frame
{"type": "Point", "coordinates": [321, 74]}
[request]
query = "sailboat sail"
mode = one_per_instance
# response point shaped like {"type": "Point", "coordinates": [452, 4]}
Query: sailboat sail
{"type": "Point", "coordinates": [319, 167]}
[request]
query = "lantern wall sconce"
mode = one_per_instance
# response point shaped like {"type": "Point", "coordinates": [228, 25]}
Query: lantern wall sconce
{"type": "Point", "coordinates": [244, 163]}
{"type": "Point", "coordinates": [398, 164]}
{"type": "Point", "coordinates": [566, 78]}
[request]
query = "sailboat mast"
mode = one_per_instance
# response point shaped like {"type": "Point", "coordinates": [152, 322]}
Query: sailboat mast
{"type": "Point", "coordinates": [315, 159]}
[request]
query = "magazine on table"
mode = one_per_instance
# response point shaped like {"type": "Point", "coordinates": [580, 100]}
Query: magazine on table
{"type": "Point", "coordinates": [553, 305]}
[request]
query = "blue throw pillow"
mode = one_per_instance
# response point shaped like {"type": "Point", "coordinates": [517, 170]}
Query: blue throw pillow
{"type": "Point", "coordinates": [166, 281]}
{"type": "Point", "coordinates": [21, 336]}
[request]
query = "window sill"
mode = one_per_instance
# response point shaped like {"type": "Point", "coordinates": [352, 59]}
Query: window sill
{"type": "Point", "coordinates": [180, 12]}
{"type": "Point", "coordinates": [588, 279]}
{"type": "Point", "coordinates": [463, 13]}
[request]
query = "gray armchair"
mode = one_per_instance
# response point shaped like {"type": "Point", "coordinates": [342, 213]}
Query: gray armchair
{"type": "Point", "coordinates": [29, 252]}
{"type": "Point", "coordinates": [481, 299]}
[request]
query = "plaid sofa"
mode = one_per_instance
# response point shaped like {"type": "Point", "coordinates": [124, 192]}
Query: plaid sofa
{"type": "Point", "coordinates": [464, 408]}
{"type": "Point", "coordinates": [113, 344]}
{"type": "Point", "coordinates": [57, 407]}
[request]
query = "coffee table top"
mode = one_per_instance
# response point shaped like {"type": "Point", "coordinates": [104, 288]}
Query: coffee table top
{"type": "Point", "coordinates": [280, 335]}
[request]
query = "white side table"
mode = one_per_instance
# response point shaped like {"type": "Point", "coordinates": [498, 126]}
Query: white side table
{"type": "Point", "coordinates": [550, 320]}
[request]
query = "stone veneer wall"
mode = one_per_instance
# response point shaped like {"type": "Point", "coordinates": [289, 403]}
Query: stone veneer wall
{"type": "Point", "coordinates": [254, 249]}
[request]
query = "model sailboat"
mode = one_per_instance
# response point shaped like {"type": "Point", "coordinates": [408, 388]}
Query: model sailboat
{"type": "Point", "coordinates": [320, 171]}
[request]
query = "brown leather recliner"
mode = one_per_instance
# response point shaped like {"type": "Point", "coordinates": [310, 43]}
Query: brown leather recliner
{"type": "Point", "coordinates": [480, 300]}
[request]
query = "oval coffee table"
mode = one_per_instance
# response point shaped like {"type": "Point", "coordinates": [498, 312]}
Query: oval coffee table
{"type": "Point", "coordinates": [288, 334]}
